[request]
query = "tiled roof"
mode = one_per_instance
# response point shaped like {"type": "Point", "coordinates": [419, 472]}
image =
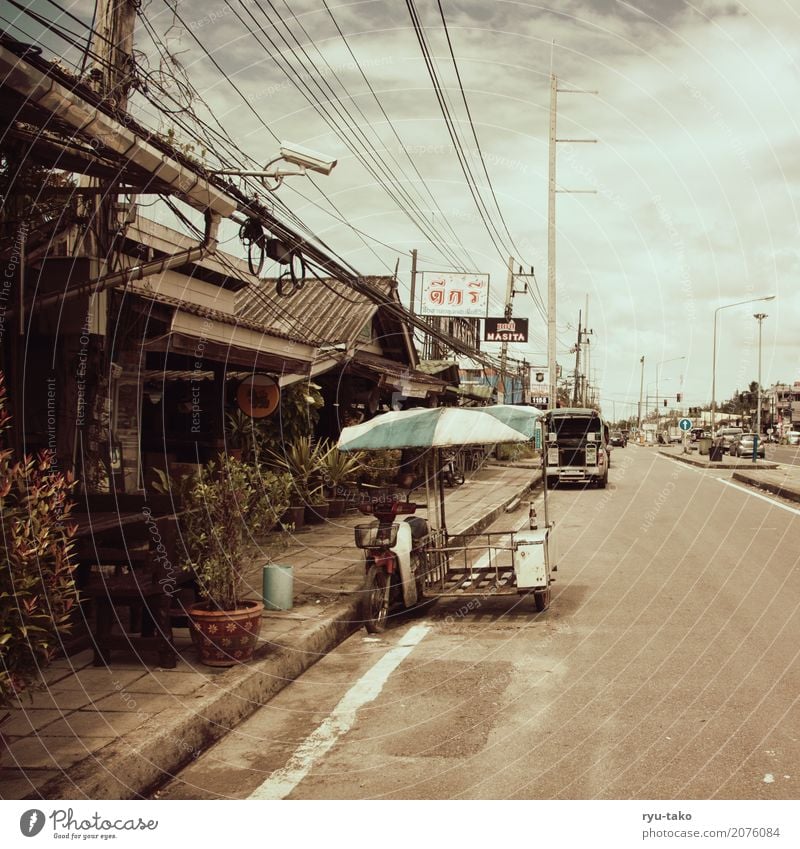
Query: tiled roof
{"type": "Point", "coordinates": [324, 311]}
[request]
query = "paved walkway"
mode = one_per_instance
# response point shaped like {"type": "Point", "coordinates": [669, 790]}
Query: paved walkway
{"type": "Point", "coordinates": [117, 732]}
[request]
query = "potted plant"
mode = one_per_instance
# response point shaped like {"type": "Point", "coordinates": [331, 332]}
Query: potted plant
{"type": "Point", "coordinates": [339, 469]}
{"type": "Point", "coordinates": [302, 460]}
{"type": "Point", "coordinates": [226, 507]}
{"type": "Point", "coordinates": [37, 590]}
{"type": "Point", "coordinates": [241, 435]}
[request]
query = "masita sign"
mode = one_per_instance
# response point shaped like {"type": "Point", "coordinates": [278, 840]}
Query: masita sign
{"type": "Point", "coordinates": [505, 330]}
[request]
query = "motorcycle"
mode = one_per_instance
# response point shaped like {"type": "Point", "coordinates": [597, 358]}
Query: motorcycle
{"type": "Point", "coordinates": [394, 558]}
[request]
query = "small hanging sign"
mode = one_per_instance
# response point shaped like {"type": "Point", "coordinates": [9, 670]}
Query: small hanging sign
{"type": "Point", "coordinates": [258, 396]}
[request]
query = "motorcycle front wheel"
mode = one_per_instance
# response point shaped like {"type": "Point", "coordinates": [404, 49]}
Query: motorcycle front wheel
{"type": "Point", "coordinates": [375, 600]}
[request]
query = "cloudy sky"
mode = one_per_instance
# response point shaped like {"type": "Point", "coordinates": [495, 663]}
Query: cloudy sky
{"type": "Point", "coordinates": [693, 177]}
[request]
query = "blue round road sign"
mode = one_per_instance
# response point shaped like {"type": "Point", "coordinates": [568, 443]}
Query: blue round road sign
{"type": "Point", "coordinates": [685, 424]}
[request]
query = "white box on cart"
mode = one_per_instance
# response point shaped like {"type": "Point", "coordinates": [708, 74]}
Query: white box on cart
{"type": "Point", "coordinates": [533, 558]}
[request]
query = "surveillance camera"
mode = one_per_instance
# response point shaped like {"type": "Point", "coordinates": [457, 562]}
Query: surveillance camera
{"type": "Point", "coordinates": [306, 158]}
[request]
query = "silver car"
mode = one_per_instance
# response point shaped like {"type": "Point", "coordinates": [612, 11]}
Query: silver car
{"type": "Point", "coordinates": [742, 446]}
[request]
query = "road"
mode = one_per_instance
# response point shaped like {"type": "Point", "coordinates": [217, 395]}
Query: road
{"type": "Point", "coordinates": [789, 454]}
{"type": "Point", "coordinates": [667, 667]}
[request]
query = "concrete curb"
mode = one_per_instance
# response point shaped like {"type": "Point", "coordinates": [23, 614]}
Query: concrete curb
{"type": "Point", "coordinates": [767, 486]}
{"type": "Point", "coordinates": [707, 464]}
{"type": "Point", "coordinates": [138, 762]}
{"type": "Point", "coordinates": [142, 759]}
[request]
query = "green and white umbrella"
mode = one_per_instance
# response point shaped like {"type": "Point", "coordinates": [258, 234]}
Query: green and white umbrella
{"type": "Point", "coordinates": [442, 427]}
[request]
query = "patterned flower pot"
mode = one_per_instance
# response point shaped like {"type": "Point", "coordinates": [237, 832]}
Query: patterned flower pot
{"type": "Point", "coordinates": [225, 637]}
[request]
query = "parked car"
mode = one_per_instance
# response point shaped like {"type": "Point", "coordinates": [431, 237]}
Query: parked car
{"type": "Point", "coordinates": [742, 446]}
{"type": "Point", "coordinates": [618, 438]}
{"type": "Point", "coordinates": [792, 437]}
{"type": "Point", "coordinates": [726, 435]}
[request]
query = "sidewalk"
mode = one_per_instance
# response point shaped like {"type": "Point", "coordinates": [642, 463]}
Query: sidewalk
{"type": "Point", "coordinates": [780, 479]}
{"type": "Point", "coordinates": [116, 732]}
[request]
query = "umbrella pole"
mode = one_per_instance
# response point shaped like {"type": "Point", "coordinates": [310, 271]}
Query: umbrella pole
{"type": "Point", "coordinates": [440, 487]}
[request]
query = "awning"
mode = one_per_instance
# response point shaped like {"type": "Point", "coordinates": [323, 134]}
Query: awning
{"type": "Point", "coordinates": [396, 376]}
{"type": "Point", "coordinates": [207, 339]}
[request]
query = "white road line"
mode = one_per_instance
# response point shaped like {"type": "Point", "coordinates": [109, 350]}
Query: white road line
{"type": "Point", "coordinates": [748, 491]}
{"type": "Point", "coordinates": [281, 783]}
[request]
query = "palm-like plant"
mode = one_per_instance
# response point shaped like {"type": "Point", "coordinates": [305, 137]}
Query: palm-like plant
{"type": "Point", "coordinates": [303, 460]}
{"type": "Point", "coordinates": [339, 468]}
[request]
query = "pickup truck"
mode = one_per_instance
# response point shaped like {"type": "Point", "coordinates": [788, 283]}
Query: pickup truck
{"type": "Point", "coordinates": [577, 447]}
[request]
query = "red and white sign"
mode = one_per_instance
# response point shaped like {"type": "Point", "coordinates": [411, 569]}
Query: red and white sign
{"type": "Point", "coordinates": [454, 295]}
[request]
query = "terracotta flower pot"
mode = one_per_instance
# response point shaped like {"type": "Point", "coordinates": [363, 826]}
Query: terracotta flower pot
{"type": "Point", "coordinates": [225, 637]}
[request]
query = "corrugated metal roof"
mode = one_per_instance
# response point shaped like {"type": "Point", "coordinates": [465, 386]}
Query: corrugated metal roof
{"type": "Point", "coordinates": [324, 311]}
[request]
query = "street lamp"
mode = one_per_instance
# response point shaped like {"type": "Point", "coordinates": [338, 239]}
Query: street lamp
{"type": "Point", "coordinates": [759, 316]}
{"type": "Point", "coordinates": [658, 365]}
{"type": "Point", "coordinates": [304, 158]}
{"type": "Point", "coordinates": [714, 353]}
{"type": "Point", "coordinates": [641, 387]}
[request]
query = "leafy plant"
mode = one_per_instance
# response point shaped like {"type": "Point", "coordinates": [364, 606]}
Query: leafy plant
{"type": "Point", "coordinates": [339, 468]}
{"type": "Point", "coordinates": [226, 507]}
{"type": "Point", "coordinates": [297, 416]}
{"type": "Point", "coordinates": [37, 590]}
{"type": "Point", "coordinates": [302, 459]}
{"type": "Point", "coordinates": [166, 484]}
{"type": "Point", "coordinates": [381, 467]}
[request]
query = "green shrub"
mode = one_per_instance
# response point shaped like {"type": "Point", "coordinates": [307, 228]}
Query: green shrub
{"type": "Point", "coordinates": [37, 590]}
{"type": "Point", "coordinates": [227, 507]}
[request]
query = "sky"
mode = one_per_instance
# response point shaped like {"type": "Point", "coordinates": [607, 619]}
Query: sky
{"type": "Point", "coordinates": [685, 202]}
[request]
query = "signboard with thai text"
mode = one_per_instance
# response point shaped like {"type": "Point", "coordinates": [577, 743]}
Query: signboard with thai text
{"type": "Point", "coordinates": [505, 330]}
{"type": "Point", "coordinates": [457, 295]}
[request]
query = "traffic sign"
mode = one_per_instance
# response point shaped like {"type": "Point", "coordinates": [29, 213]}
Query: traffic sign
{"type": "Point", "coordinates": [685, 424]}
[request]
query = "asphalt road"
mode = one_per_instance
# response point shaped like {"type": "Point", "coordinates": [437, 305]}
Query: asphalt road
{"type": "Point", "coordinates": [789, 454]}
{"type": "Point", "coordinates": [667, 667]}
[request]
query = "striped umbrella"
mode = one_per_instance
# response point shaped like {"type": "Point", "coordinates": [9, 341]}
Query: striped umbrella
{"type": "Point", "coordinates": [442, 427]}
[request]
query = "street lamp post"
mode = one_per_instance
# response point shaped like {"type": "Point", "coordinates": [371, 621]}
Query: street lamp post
{"type": "Point", "coordinates": [658, 366]}
{"type": "Point", "coordinates": [641, 387]}
{"type": "Point", "coordinates": [759, 316]}
{"type": "Point", "coordinates": [714, 353]}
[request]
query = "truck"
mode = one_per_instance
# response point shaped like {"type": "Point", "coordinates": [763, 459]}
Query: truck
{"type": "Point", "coordinates": [577, 447]}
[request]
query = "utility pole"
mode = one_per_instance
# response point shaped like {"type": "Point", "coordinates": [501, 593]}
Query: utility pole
{"type": "Point", "coordinates": [641, 389]}
{"type": "Point", "coordinates": [112, 76]}
{"type": "Point", "coordinates": [586, 359]}
{"type": "Point", "coordinates": [577, 364]}
{"type": "Point", "coordinates": [501, 385]}
{"type": "Point", "coordinates": [551, 232]}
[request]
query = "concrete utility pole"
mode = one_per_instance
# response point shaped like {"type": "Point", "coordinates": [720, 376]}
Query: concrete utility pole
{"type": "Point", "coordinates": [641, 390]}
{"type": "Point", "coordinates": [551, 231]}
{"type": "Point", "coordinates": [112, 76]}
{"type": "Point", "coordinates": [551, 250]}
{"type": "Point", "coordinates": [759, 316]}
{"type": "Point", "coordinates": [577, 364]}
{"type": "Point", "coordinates": [501, 384]}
